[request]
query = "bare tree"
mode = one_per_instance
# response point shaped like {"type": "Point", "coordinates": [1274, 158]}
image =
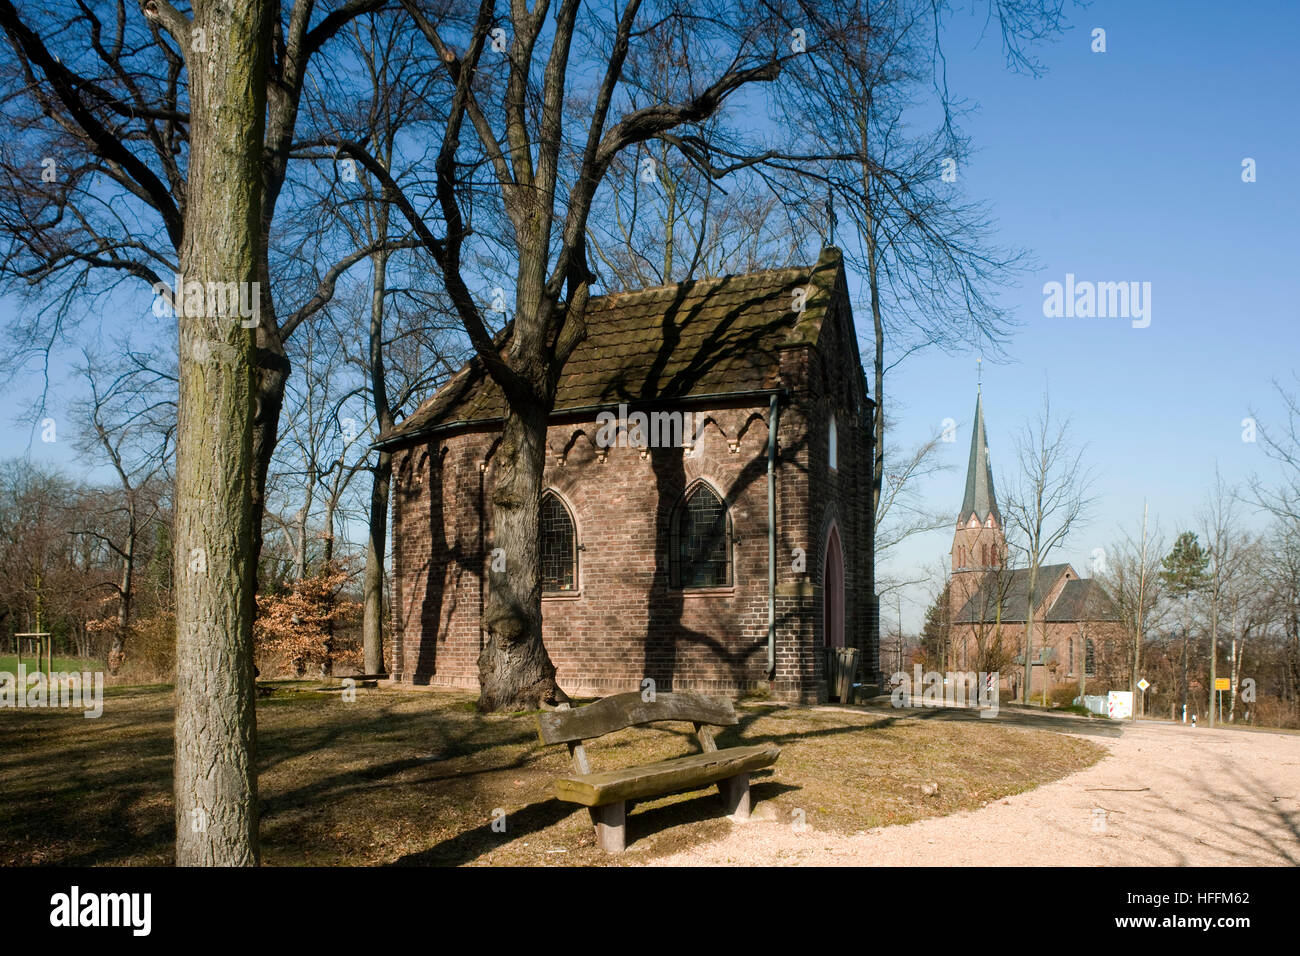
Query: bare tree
{"type": "Point", "coordinates": [1282, 444]}
{"type": "Point", "coordinates": [1047, 501]}
{"type": "Point", "coordinates": [543, 183]}
{"type": "Point", "coordinates": [1131, 575]}
{"type": "Point", "coordinates": [1226, 552]}
{"type": "Point", "coordinates": [926, 253]}
{"type": "Point", "coordinates": [414, 340]}
{"type": "Point", "coordinates": [902, 511]}
{"type": "Point", "coordinates": [1282, 572]}
{"type": "Point", "coordinates": [989, 604]}
{"type": "Point", "coordinates": [36, 506]}
{"type": "Point", "coordinates": [1249, 606]}
{"type": "Point", "coordinates": [661, 215]}
{"type": "Point", "coordinates": [101, 98]}
{"type": "Point", "coordinates": [128, 420]}
{"type": "Point", "coordinates": [321, 447]}
{"type": "Point", "coordinates": [660, 219]}
{"type": "Point", "coordinates": [149, 160]}
{"type": "Point", "coordinates": [1233, 565]}
{"type": "Point", "coordinates": [215, 773]}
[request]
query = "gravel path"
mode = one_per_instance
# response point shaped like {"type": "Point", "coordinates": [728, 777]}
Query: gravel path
{"type": "Point", "coordinates": [1215, 798]}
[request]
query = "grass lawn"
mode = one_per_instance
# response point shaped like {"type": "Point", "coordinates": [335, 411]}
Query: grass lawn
{"type": "Point", "coordinates": [9, 663]}
{"type": "Point", "coordinates": [413, 777]}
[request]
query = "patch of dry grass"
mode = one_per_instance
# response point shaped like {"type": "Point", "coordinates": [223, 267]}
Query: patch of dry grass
{"type": "Point", "coordinates": [414, 777]}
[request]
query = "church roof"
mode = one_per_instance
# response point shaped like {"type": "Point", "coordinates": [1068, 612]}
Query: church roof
{"type": "Point", "coordinates": [1014, 586]}
{"type": "Point", "coordinates": [704, 337]}
{"type": "Point", "coordinates": [1081, 599]}
{"type": "Point", "coordinates": [980, 499]}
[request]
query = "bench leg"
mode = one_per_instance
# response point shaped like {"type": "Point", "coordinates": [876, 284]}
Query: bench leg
{"type": "Point", "coordinates": [735, 794]}
{"type": "Point", "coordinates": [611, 826]}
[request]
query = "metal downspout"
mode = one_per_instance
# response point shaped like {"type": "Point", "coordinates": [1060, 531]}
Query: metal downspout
{"type": "Point", "coordinates": [771, 539]}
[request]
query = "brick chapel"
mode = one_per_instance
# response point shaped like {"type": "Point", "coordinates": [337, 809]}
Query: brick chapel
{"type": "Point", "coordinates": [1077, 629]}
{"type": "Point", "coordinates": [707, 518]}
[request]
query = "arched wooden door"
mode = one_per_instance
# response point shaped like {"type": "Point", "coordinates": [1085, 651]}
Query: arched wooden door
{"type": "Point", "coordinates": [833, 591]}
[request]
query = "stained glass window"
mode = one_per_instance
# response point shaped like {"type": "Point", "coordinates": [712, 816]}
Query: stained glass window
{"type": "Point", "coordinates": [703, 541]}
{"type": "Point", "coordinates": [558, 552]}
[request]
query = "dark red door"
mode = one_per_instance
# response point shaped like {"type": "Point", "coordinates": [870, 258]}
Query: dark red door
{"type": "Point", "coordinates": [833, 591]}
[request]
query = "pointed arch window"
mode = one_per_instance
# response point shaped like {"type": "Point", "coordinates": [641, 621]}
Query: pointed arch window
{"type": "Point", "coordinates": [833, 440]}
{"type": "Point", "coordinates": [1089, 658]}
{"type": "Point", "coordinates": [701, 541]}
{"type": "Point", "coordinates": [559, 551]}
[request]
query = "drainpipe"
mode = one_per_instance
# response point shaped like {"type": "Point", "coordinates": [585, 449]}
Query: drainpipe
{"type": "Point", "coordinates": [771, 538]}
{"type": "Point", "coordinates": [482, 548]}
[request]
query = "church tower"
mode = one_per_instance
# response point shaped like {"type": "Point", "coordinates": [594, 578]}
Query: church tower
{"type": "Point", "coordinates": [979, 544]}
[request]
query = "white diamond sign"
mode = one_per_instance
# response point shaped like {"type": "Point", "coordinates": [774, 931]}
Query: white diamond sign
{"type": "Point", "coordinates": [1144, 683]}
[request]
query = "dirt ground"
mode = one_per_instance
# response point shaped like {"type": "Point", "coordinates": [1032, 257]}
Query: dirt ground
{"type": "Point", "coordinates": [418, 777]}
{"type": "Point", "coordinates": [410, 778]}
{"type": "Point", "coordinates": [1165, 796]}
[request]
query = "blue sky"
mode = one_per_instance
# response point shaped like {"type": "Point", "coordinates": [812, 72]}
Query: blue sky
{"type": "Point", "coordinates": [1115, 166]}
{"type": "Point", "coordinates": [1126, 166]}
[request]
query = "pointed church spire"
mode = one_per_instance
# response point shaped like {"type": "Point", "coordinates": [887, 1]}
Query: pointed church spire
{"type": "Point", "coordinates": [980, 498]}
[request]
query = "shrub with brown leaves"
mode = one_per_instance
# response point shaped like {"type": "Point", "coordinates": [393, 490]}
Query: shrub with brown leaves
{"type": "Point", "coordinates": [299, 628]}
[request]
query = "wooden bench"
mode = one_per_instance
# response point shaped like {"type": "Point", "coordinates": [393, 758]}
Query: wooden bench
{"type": "Point", "coordinates": [608, 795]}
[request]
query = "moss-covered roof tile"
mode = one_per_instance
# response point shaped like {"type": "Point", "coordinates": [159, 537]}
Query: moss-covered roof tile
{"type": "Point", "coordinates": [701, 337]}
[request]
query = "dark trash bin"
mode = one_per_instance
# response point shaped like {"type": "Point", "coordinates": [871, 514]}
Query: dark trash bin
{"type": "Point", "coordinates": [841, 668]}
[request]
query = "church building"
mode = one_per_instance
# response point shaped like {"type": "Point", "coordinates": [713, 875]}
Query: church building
{"type": "Point", "coordinates": [706, 521]}
{"type": "Point", "coordinates": [1077, 630]}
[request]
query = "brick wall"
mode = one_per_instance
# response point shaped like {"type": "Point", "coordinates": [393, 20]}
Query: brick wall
{"type": "Point", "coordinates": [841, 496]}
{"type": "Point", "coordinates": [1112, 653]}
{"type": "Point", "coordinates": [625, 622]}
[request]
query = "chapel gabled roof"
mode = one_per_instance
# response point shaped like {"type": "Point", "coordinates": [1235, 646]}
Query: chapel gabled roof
{"type": "Point", "coordinates": [703, 337]}
{"type": "Point", "coordinates": [980, 499]}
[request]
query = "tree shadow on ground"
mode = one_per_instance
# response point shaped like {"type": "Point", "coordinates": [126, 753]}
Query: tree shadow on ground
{"type": "Point", "coordinates": [1057, 723]}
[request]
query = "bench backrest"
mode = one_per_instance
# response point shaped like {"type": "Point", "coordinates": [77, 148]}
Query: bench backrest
{"type": "Point", "coordinates": [630, 710]}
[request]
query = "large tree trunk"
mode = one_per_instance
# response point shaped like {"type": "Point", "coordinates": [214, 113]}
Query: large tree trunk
{"type": "Point", "coordinates": [1238, 647]}
{"type": "Point", "coordinates": [878, 369]}
{"type": "Point", "coordinates": [1028, 690]}
{"type": "Point", "coordinates": [117, 649]}
{"type": "Point", "coordinates": [1214, 634]}
{"type": "Point", "coordinates": [372, 625]}
{"type": "Point", "coordinates": [1083, 663]}
{"type": "Point", "coordinates": [1186, 689]}
{"type": "Point", "coordinates": [215, 731]}
{"type": "Point", "coordinates": [271, 375]}
{"type": "Point", "coordinates": [515, 672]}
{"type": "Point", "coordinates": [304, 516]}
{"type": "Point", "coordinates": [372, 597]}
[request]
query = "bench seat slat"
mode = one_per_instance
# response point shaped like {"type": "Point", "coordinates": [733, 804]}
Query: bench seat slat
{"type": "Point", "coordinates": [692, 772]}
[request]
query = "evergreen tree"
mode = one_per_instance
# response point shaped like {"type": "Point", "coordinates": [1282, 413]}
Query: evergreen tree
{"type": "Point", "coordinates": [935, 633]}
{"type": "Point", "coordinates": [1183, 574]}
{"type": "Point", "coordinates": [1184, 566]}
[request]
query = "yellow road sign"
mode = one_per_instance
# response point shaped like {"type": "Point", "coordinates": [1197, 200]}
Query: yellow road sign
{"type": "Point", "coordinates": [1222, 683]}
